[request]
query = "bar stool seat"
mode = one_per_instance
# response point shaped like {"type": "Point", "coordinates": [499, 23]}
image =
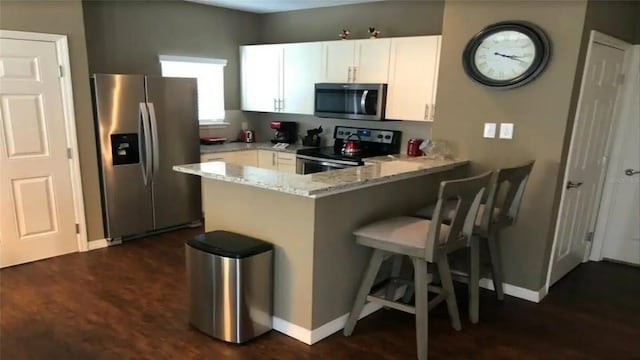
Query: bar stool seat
{"type": "Point", "coordinates": [401, 235]}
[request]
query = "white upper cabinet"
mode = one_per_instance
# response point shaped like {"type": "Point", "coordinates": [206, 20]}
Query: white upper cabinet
{"type": "Point", "coordinates": [356, 61]}
{"type": "Point", "coordinates": [371, 61]}
{"type": "Point", "coordinates": [280, 78]}
{"type": "Point", "coordinates": [338, 59]}
{"type": "Point", "coordinates": [413, 78]}
{"type": "Point", "coordinates": [260, 73]}
{"type": "Point", "coordinates": [301, 67]}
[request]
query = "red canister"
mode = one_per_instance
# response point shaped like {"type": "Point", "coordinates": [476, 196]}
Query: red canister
{"type": "Point", "coordinates": [413, 147]}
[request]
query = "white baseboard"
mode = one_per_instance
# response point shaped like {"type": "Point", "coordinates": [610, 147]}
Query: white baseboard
{"type": "Point", "coordinates": [511, 290]}
{"type": "Point", "coordinates": [311, 337]}
{"type": "Point", "coordinates": [97, 244]}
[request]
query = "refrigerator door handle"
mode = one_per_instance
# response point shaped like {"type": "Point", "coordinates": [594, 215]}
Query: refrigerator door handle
{"type": "Point", "coordinates": [154, 140]}
{"type": "Point", "coordinates": [145, 144]}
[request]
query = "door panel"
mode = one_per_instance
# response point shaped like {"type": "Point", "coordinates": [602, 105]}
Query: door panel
{"type": "Point", "coordinates": [127, 206]}
{"type": "Point", "coordinates": [585, 168]}
{"type": "Point", "coordinates": [176, 196]}
{"type": "Point", "coordinates": [301, 70]}
{"type": "Point", "coordinates": [337, 58]}
{"type": "Point", "coordinates": [37, 216]}
{"type": "Point", "coordinates": [260, 77]}
{"type": "Point", "coordinates": [412, 78]}
{"type": "Point", "coordinates": [372, 61]}
{"type": "Point", "coordinates": [621, 227]}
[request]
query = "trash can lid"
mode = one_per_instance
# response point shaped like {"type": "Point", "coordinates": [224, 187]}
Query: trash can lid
{"type": "Point", "coordinates": [228, 244]}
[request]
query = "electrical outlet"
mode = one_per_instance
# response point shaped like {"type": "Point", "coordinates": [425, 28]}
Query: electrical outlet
{"type": "Point", "coordinates": [489, 130]}
{"type": "Point", "coordinates": [506, 131]}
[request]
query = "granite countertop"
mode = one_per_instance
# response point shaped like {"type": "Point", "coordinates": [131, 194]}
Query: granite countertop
{"type": "Point", "coordinates": [240, 146]}
{"type": "Point", "coordinates": [324, 183]}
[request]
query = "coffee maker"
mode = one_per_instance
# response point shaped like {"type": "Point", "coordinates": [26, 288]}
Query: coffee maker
{"type": "Point", "coordinates": [285, 132]}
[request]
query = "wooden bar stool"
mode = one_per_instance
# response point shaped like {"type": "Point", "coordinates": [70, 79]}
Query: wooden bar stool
{"type": "Point", "coordinates": [424, 241]}
{"type": "Point", "coordinates": [499, 210]}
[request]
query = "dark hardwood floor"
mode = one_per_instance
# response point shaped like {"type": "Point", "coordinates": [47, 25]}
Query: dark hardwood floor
{"type": "Point", "coordinates": [129, 301]}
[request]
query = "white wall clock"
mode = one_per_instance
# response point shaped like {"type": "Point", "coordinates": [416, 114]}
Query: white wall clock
{"type": "Point", "coordinates": [507, 54]}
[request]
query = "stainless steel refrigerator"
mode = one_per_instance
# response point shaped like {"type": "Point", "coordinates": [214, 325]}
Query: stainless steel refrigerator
{"type": "Point", "coordinates": [144, 126]}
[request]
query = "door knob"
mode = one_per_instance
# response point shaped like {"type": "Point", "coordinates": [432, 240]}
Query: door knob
{"type": "Point", "coordinates": [572, 185]}
{"type": "Point", "coordinates": [631, 172]}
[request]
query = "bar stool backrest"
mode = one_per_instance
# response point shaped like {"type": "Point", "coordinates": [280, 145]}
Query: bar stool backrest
{"type": "Point", "coordinates": [505, 194]}
{"type": "Point", "coordinates": [467, 193]}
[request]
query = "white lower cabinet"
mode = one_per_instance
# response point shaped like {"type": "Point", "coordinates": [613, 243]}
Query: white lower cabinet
{"type": "Point", "coordinates": [275, 160]}
{"type": "Point", "coordinates": [265, 159]}
{"type": "Point", "coordinates": [242, 158]}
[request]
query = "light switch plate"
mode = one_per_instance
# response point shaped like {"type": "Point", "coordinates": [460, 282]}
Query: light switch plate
{"type": "Point", "coordinates": [506, 131]}
{"type": "Point", "coordinates": [489, 130]}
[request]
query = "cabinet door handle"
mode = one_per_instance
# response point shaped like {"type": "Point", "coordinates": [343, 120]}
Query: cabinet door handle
{"type": "Point", "coordinates": [355, 68]}
{"type": "Point", "coordinates": [349, 74]}
{"type": "Point", "coordinates": [273, 159]}
{"type": "Point", "coordinates": [275, 104]}
{"type": "Point", "coordinates": [281, 105]}
{"type": "Point", "coordinates": [433, 112]}
{"type": "Point", "coordinates": [426, 111]}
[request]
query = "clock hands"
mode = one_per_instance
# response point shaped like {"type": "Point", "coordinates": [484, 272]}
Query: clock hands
{"type": "Point", "coordinates": [512, 57]}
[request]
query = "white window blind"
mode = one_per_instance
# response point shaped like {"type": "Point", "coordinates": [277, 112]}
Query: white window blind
{"type": "Point", "coordinates": [210, 76]}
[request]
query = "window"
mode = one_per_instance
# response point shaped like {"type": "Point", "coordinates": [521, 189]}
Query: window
{"type": "Point", "coordinates": [210, 76]}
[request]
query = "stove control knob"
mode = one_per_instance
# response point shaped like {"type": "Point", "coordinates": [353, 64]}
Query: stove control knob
{"type": "Point", "coordinates": [380, 136]}
{"type": "Point", "coordinates": [340, 132]}
{"type": "Point", "coordinates": [388, 137]}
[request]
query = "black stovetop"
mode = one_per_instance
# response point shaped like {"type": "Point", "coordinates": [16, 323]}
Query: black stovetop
{"type": "Point", "coordinates": [335, 153]}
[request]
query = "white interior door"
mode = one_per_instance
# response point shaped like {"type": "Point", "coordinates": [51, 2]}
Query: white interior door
{"type": "Point", "coordinates": [585, 167]}
{"type": "Point", "coordinates": [618, 223]}
{"type": "Point", "coordinates": [37, 218]}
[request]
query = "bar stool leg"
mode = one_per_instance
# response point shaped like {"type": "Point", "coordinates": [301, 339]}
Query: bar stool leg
{"type": "Point", "coordinates": [367, 282]}
{"type": "Point", "coordinates": [496, 265]}
{"type": "Point", "coordinates": [447, 287]}
{"type": "Point", "coordinates": [422, 307]}
{"type": "Point", "coordinates": [474, 280]}
{"type": "Point", "coordinates": [396, 267]}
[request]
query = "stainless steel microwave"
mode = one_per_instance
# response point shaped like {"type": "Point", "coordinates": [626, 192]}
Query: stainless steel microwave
{"type": "Point", "coordinates": [351, 101]}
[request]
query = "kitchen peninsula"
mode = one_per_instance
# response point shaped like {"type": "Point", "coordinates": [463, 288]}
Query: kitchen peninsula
{"type": "Point", "coordinates": [310, 219]}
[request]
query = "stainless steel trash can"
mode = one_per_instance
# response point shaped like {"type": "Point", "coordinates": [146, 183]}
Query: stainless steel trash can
{"type": "Point", "coordinates": [230, 281]}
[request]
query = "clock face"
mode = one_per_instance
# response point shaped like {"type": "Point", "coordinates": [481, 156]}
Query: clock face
{"type": "Point", "coordinates": [506, 55]}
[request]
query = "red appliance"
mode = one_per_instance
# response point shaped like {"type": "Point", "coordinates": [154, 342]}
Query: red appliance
{"type": "Point", "coordinates": [351, 147]}
{"type": "Point", "coordinates": [413, 147]}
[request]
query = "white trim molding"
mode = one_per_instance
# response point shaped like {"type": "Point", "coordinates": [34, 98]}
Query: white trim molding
{"type": "Point", "coordinates": [192, 59]}
{"type": "Point", "coordinates": [97, 244]}
{"type": "Point", "coordinates": [311, 337]}
{"type": "Point", "coordinates": [62, 50]}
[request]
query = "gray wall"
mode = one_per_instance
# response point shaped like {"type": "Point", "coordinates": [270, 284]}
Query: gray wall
{"type": "Point", "coordinates": [393, 18]}
{"type": "Point", "coordinates": [539, 110]}
{"type": "Point", "coordinates": [128, 36]}
{"type": "Point", "coordinates": [65, 17]}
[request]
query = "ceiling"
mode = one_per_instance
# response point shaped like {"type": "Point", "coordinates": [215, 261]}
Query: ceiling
{"type": "Point", "coordinates": [268, 6]}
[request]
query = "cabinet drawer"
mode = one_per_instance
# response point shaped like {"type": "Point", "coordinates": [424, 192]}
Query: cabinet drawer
{"type": "Point", "coordinates": [267, 159]}
{"type": "Point", "coordinates": [286, 157]}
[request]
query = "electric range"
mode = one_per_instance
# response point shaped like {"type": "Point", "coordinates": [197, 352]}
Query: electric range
{"type": "Point", "coordinates": [372, 143]}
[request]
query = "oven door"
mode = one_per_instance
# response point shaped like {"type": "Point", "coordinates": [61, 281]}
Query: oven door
{"type": "Point", "coordinates": [350, 101]}
{"type": "Point", "coordinates": [310, 165]}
